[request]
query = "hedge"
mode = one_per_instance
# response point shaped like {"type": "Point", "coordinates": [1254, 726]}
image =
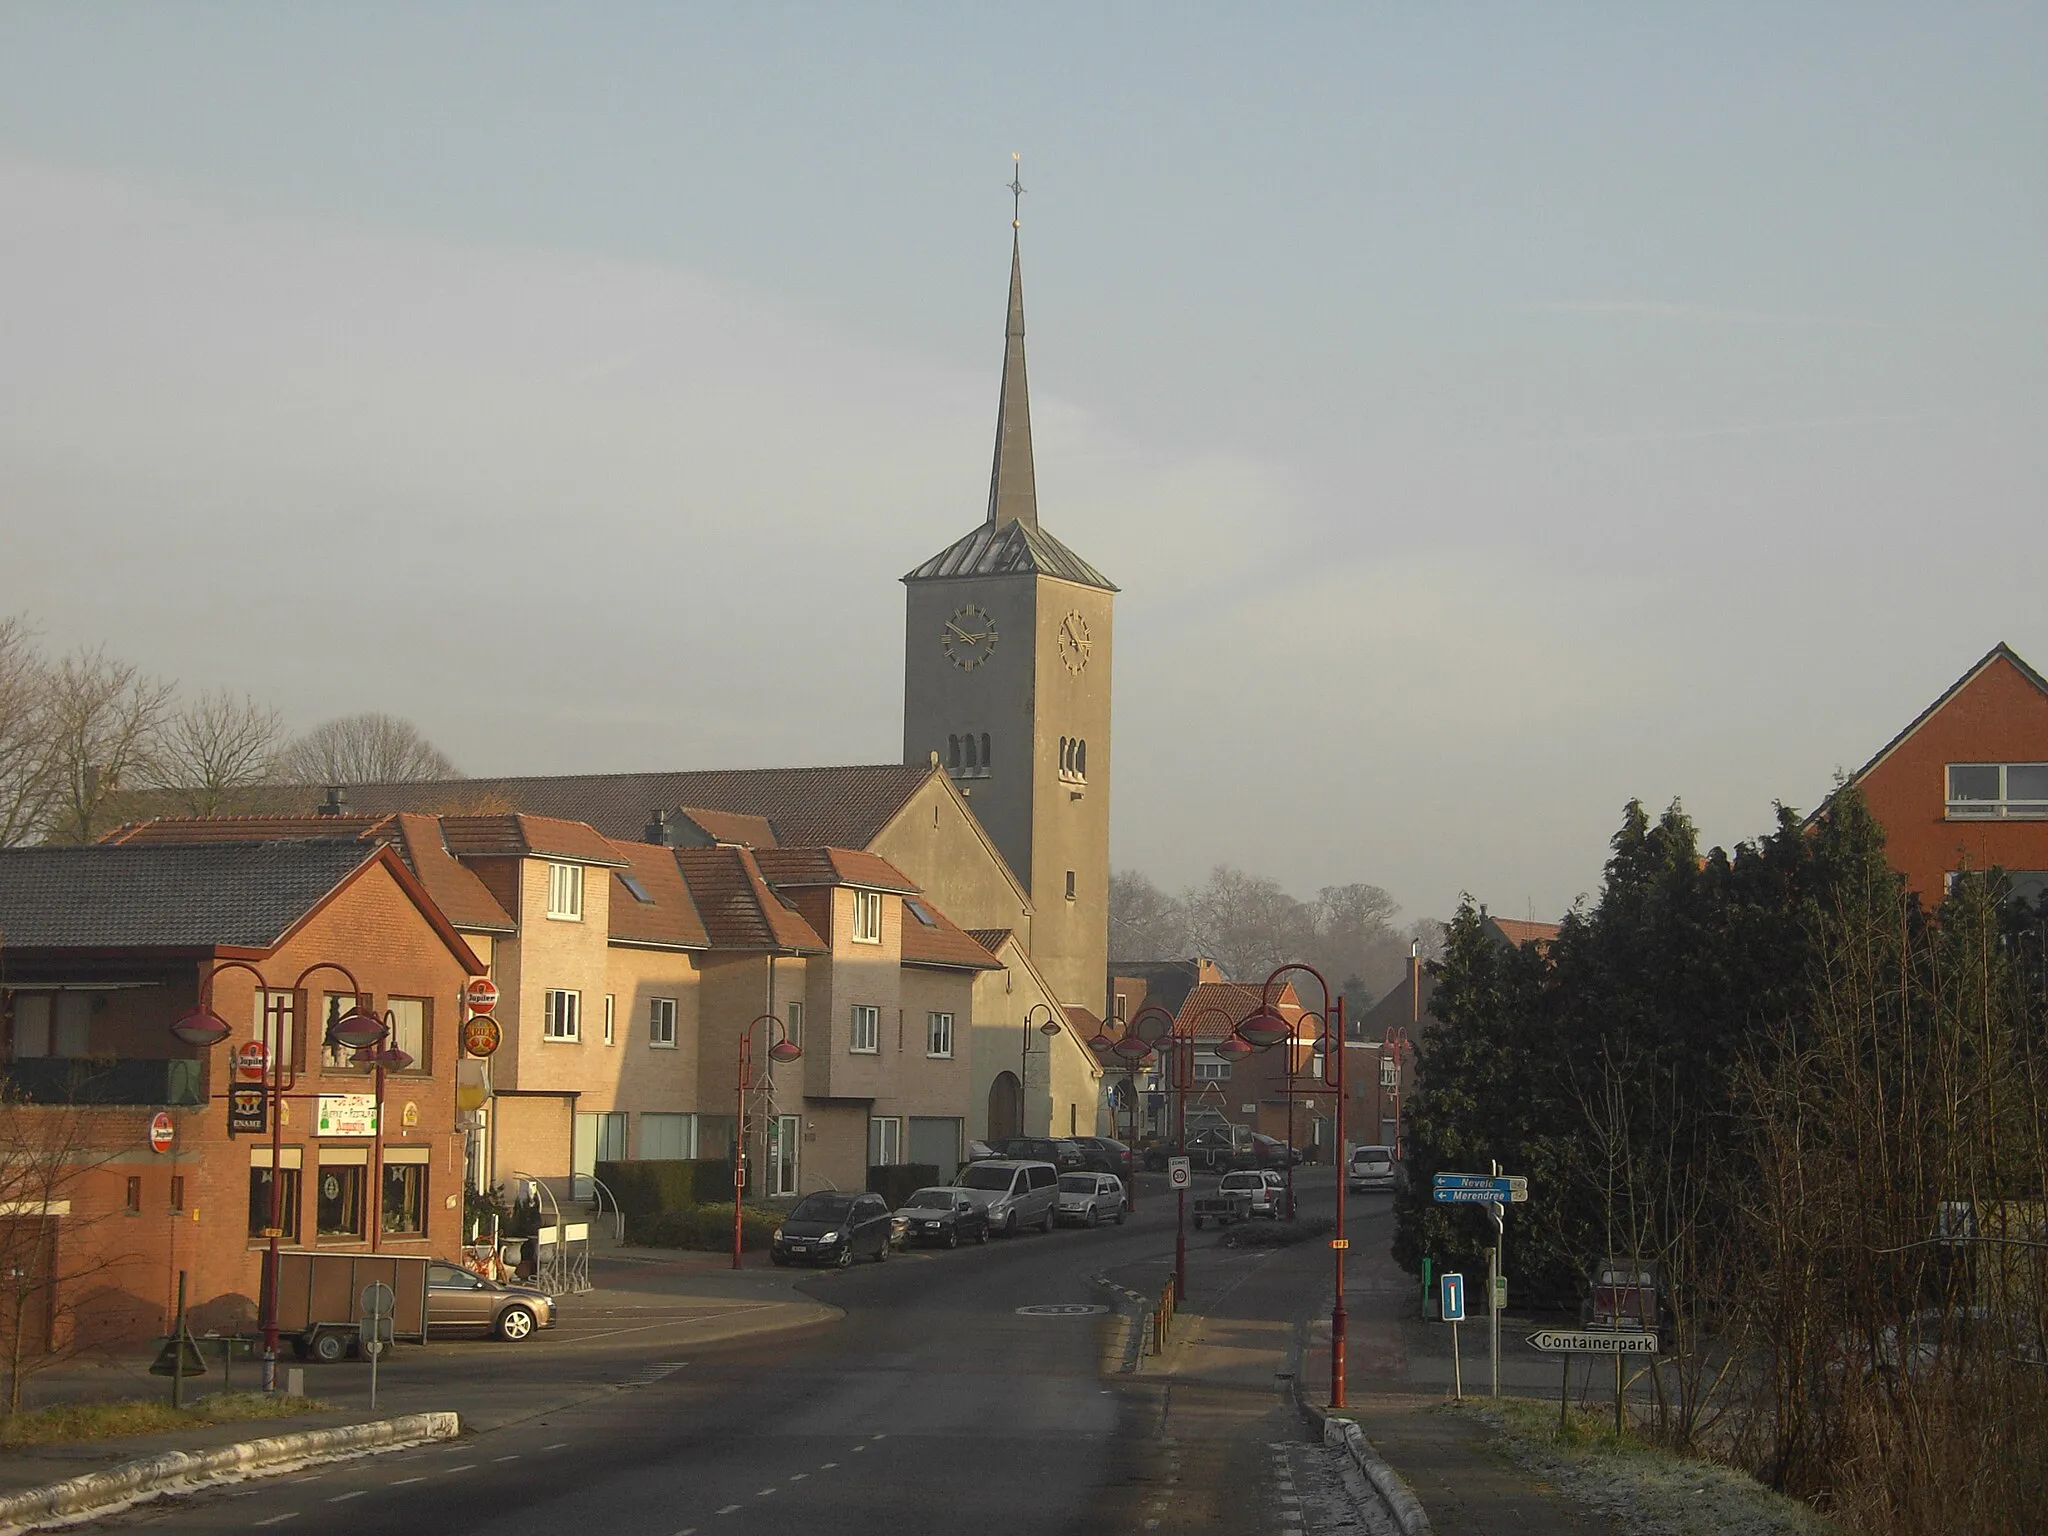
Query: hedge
{"type": "Point", "coordinates": [895, 1182]}
{"type": "Point", "coordinates": [648, 1188]}
{"type": "Point", "coordinates": [707, 1227]}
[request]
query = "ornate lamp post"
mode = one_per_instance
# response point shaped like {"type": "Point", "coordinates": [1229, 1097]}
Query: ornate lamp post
{"type": "Point", "coordinates": [783, 1050]}
{"type": "Point", "coordinates": [1049, 1028]}
{"type": "Point", "coordinates": [1395, 1045]}
{"type": "Point", "coordinates": [1261, 1030]}
{"type": "Point", "coordinates": [203, 1028]}
{"type": "Point", "coordinates": [1267, 1024]}
{"type": "Point", "coordinates": [1105, 1045]}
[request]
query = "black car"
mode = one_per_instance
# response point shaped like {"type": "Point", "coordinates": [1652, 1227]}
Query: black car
{"type": "Point", "coordinates": [1105, 1154]}
{"type": "Point", "coordinates": [1063, 1153]}
{"type": "Point", "coordinates": [943, 1215]}
{"type": "Point", "coordinates": [833, 1228]}
{"type": "Point", "coordinates": [1208, 1151]}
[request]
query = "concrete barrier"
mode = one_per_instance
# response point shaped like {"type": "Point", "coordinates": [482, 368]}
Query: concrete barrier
{"type": "Point", "coordinates": [1390, 1485]}
{"type": "Point", "coordinates": [99, 1493]}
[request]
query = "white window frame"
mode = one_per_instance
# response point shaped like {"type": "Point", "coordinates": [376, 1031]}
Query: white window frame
{"type": "Point", "coordinates": [938, 1036]}
{"type": "Point", "coordinates": [1211, 1068]}
{"type": "Point", "coordinates": [864, 1029]}
{"type": "Point", "coordinates": [565, 893]}
{"type": "Point", "coordinates": [2003, 808]}
{"type": "Point", "coordinates": [561, 1016]}
{"type": "Point", "coordinates": [867, 917]}
{"type": "Point", "coordinates": [661, 1023]}
{"type": "Point", "coordinates": [787, 1155]}
{"type": "Point", "coordinates": [795, 1021]}
{"type": "Point", "coordinates": [885, 1141]}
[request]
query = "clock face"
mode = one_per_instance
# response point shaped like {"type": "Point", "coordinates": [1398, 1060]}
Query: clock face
{"type": "Point", "coordinates": [969, 637]}
{"type": "Point", "coordinates": [1074, 642]}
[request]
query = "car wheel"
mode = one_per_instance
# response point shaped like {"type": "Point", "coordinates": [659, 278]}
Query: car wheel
{"type": "Point", "coordinates": [982, 1235]}
{"type": "Point", "coordinates": [328, 1348]}
{"type": "Point", "coordinates": [845, 1259]}
{"type": "Point", "coordinates": [1010, 1225]}
{"type": "Point", "coordinates": [1198, 1223]}
{"type": "Point", "coordinates": [515, 1323]}
{"type": "Point", "coordinates": [1094, 1216]}
{"type": "Point", "coordinates": [1046, 1225]}
{"type": "Point", "coordinates": [779, 1260]}
{"type": "Point", "coordinates": [1119, 1215]}
{"type": "Point", "coordinates": [882, 1252]}
{"type": "Point", "coordinates": [953, 1238]}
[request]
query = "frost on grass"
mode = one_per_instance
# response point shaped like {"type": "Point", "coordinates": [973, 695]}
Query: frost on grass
{"type": "Point", "coordinates": [1646, 1492]}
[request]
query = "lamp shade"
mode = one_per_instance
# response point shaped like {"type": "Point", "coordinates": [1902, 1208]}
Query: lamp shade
{"type": "Point", "coordinates": [1264, 1027]}
{"type": "Point", "coordinates": [1131, 1048]}
{"type": "Point", "coordinates": [202, 1027]}
{"type": "Point", "coordinates": [358, 1029]}
{"type": "Point", "coordinates": [1230, 1048]}
{"type": "Point", "coordinates": [784, 1050]}
{"type": "Point", "coordinates": [392, 1059]}
{"type": "Point", "coordinates": [1049, 1028]}
{"type": "Point", "coordinates": [1103, 1043]}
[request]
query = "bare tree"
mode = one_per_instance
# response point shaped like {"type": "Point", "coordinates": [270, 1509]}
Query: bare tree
{"type": "Point", "coordinates": [215, 746]}
{"type": "Point", "coordinates": [105, 721]}
{"type": "Point", "coordinates": [364, 749]}
{"type": "Point", "coordinates": [27, 783]}
{"type": "Point", "coordinates": [1144, 922]}
{"type": "Point", "coordinates": [1247, 923]}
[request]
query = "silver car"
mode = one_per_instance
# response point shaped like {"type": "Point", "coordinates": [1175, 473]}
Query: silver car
{"type": "Point", "coordinates": [1089, 1199]}
{"type": "Point", "coordinates": [1372, 1168]}
{"type": "Point", "coordinates": [1015, 1193]}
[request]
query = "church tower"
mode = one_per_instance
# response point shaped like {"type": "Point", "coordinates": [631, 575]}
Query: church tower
{"type": "Point", "coordinates": [1006, 677]}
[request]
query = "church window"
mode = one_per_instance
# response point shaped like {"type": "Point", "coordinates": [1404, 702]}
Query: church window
{"type": "Point", "coordinates": [1073, 759]}
{"type": "Point", "coordinates": [985, 760]}
{"type": "Point", "coordinates": [971, 764]}
{"type": "Point", "coordinates": [953, 752]}
{"type": "Point", "coordinates": [1070, 885]}
{"type": "Point", "coordinates": [1080, 759]}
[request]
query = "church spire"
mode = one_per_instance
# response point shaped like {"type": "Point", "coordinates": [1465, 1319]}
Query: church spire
{"type": "Point", "coordinates": [1012, 484]}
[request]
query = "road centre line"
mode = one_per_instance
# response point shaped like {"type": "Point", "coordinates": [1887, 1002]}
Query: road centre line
{"type": "Point", "coordinates": [559, 1445]}
{"type": "Point", "coordinates": [797, 1477]}
{"type": "Point", "coordinates": [728, 1509]}
{"type": "Point", "coordinates": [404, 1480]}
{"type": "Point", "coordinates": [277, 1519]}
{"type": "Point", "coordinates": [828, 1466]}
{"type": "Point", "coordinates": [343, 1498]}
{"type": "Point", "coordinates": [764, 1493]}
{"type": "Point", "coordinates": [858, 1449]}
{"type": "Point", "coordinates": [467, 1466]}
{"type": "Point", "coordinates": [513, 1457]}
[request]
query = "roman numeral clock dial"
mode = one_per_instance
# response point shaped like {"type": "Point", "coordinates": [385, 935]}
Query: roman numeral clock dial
{"type": "Point", "coordinates": [969, 637]}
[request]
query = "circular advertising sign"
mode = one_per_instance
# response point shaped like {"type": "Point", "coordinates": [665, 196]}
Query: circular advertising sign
{"type": "Point", "coordinates": [162, 1132]}
{"type": "Point", "coordinates": [481, 1035]}
{"type": "Point", "coordinates": [250, 1060]}
{"type": "Point", "coordinates": [481, 994]}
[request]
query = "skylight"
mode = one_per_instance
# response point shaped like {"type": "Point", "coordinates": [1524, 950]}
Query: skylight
{"type": "Point", "coordinates": [632, 884]}
{"type": "Point", "coordinates": [917, 911]}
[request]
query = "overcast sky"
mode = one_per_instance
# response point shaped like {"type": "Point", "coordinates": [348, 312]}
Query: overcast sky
{"type": "Point", "coordinates": [1491, 413]}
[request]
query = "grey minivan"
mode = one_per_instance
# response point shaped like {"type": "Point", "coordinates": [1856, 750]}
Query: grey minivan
{"type": "Point", "coordinates": [1017, 1194]}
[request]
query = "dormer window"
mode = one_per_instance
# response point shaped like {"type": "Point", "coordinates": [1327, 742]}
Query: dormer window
{"type": "Point", "coordinates": [565, 892]}
{"type": "Point", "coordinates": [867, 917]}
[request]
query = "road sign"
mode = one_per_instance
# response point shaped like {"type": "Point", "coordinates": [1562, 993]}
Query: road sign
{"type": "Point", "coordinates": [1453, 1292]}
{"type": "Point", "coordinates": [1177, 1172]}
{"type": "Point", "coordinates": [163, 1132]}
{"type": "Point", "coordinates": [375, 1326]}
{"type": "Point", "coordinates": [250, 1060]}
{"type": "Point", "coordinates": [1624, 1342]}
{"type": "Point", "coordinates": [481, 995]}
{"type": "Point", "coordinates": [1478, 1189]}
{"type": "Point", "coordinates": [248, 1111]}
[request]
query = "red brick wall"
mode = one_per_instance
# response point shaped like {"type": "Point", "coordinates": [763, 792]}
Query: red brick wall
{"type": "Point", "coordinates": [1998, 716]}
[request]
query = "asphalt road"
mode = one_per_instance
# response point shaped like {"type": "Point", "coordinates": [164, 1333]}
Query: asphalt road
{"type": "Point", "coordinates": [936, 1403]}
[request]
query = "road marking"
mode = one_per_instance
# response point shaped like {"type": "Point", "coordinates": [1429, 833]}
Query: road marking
{"type": "Point", "coordinates": [277, 1519]}
{"type": "Point", "coordinates": [513, 1457]}
{"type": "Point", "coordinates": [764, 1493]}
{"type": "Point", "coordinates": [404, 1480]}
{"type": "Point", "coordinates": [467, 1466]}
{"type": "Point", "coordinates": [878, 1437]}
{"type": "Point", "coordinates": [858, 1449]}
{"type": "Point", "coordinates": [559, 1445]}
{"type": "Point", "coordinates": [728, 1509]}
{"type": "Point", "coordinates": [828, 1466]}
{"type": "Point", "coordinates": [343, 1498]}
{"type": "Point", "coordinates": [797, 1477]}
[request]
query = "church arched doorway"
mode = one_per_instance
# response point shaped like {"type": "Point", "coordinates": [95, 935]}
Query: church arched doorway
{"type": "Point", "coordinates": [1005, 1107]}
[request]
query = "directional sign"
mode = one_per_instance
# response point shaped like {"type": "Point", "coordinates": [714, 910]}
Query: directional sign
{"type": "Point", "coordinates": [1559, 1342]}
{"type": "Point", "coordinates": [1478, 1189]}
{"type": "Point", "coordinates": [1453, 1287]}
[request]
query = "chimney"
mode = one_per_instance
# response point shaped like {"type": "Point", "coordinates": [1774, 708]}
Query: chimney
{"type": "Point", "coordinates": [657, 831]}
{"type": "Point", "coordinates": [336, 803]}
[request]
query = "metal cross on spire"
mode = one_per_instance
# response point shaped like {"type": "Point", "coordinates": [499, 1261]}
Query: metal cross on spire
{"type": "Point", "coordinates": [1016, 186]}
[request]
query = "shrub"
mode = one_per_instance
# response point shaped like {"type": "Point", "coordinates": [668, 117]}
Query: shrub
{"type": "Point", "coordinates": [1277, 1234]}
{"type": "Point", "coordinates": [669, 1184]}
{"type": "Point", "coordinates": [707, 1228]}
{"type": "Point", "coordinates": [896, 1182]}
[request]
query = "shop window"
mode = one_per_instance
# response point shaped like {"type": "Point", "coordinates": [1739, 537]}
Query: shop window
{"type": "Point", "coordinates": [287, 1206]}
{"type": "Point", "coordinates": [338, 1210]}
{"type": "Point", "coordinates": [405, 1198]}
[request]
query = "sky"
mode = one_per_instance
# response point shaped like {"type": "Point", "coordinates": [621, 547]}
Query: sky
{"type": "Point", "coordinates": [1490, 413]}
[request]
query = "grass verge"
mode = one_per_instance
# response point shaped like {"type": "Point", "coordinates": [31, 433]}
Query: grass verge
{"type": "Point", "coordinates": [1277, 1234]}
{"type": "Point", "coordinates": [1638, 1486]}
{"type": "Point", "coordinates": [69, 1422]}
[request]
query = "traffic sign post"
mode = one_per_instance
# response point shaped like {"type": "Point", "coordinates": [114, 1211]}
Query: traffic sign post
{"type": "Point", "coordinates": [375, 1326]}
{"type": "Point", "coordinates": [1569, 1342]}
{"type": "Point", "coordinates": [1177, 1172]}
{"type": "Point", "coordinates": [1453, 1309]}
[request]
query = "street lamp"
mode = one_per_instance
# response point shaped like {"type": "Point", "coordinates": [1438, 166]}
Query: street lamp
{"type": "Point", "coordinates": [1266, 1022]}
{"type": "Point", "coordinates": [203, 1028]}
{"type": "Point", "coordinates": [1396, 1045]}
{"type": "Point", "coordinates": [369, 1038]}
{"type": "Point", "coordinates": [1262, 1031]}
{"type": "Point", "coordinates": [1049, 1028]}
{"type": "Point", "coordinates": [784, 1049]}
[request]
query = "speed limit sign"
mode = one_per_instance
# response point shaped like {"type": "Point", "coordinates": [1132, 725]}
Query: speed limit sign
{"type": "Point", "coordinates": [1177, 1172]}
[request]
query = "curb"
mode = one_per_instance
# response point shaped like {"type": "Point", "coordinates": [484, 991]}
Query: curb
{"type": "Point", "coordinates": [1391, 1486]}
{"type": "Point", "coordinates": [99, 1493]}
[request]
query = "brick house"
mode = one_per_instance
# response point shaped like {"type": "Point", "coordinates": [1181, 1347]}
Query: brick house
{"type": "Point", "coordinates": [1965, 785]}
{"type": "Point", "coordinates": [104, 948]}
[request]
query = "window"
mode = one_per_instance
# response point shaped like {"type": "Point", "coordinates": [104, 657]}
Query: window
{"type": "Point", "coordinates": [661, 1022]}
{"type": "Point", "coordinates": [1070, 885]}
{"type": "Point", "coordinates": [598, 1139]}
{"type": "Point", "coordinates": [134, 1192]}
{"type": "Point", "coordinates": [972, 761]}
{"type": "Point", "coordinates": [338, 1206]}
{"type": "Point", "coordinates": [287, 1203]}
{"type": "Point", "coordinates": [562, 1016]}
{"type": "Point", "coordinates": [1123, 1005]}
{"type": "Point", "coordinates": [565, 892]}
{"type": "Point", "coordinates": [1995, 790]}
{"type": "Point", "coordinates": [921, 912]}
{"type": "Point", "coordinates": [867, 1028]}
{"type": "Point", "coordinates": [1211, 1068]}
{"type": "Point", "coordinates": [987, 761]}
{"type": "Point", "coordinates": [409, 1029]}
{"type": "Point", "coordinates": [938, 1040]}
{"type": "Point", "coordinates": [52, 1024]}
{"type": "Point", "coordinates": [177, 1192]}
{"type": "Point", "coordinates": [867, 917]}
{"type": "Point", "coordinates": [885, 1141]}
{"type": "Point", "coordinates": [796, 1023]}
{"type": "Point", "coordinates": [1073, 759]}
{"type": "Point", "coordinates": [611, 1016]}
{"type": "Point", "coordinates": [274, 1020]}
{"type": "Point", "coordinates": [405, 1199]}
{"type": "Point", "coordinates": [667, 1138]}
{"type": "Point", "coordinates": [784, 1153]}
{"type": "Point", "coordinates": [953, 752]}
{"type": "Point", "coordinates": [635, 889]}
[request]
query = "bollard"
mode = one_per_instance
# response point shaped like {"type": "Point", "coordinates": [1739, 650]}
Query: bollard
{"type": "Point", "coordinates": [295, 1381]}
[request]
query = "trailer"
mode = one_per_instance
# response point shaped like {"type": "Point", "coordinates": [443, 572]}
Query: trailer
{"type": "Point", "coordinates": [319, 1299]}
{"type": "Point", "coordinates": [1223, 1207]}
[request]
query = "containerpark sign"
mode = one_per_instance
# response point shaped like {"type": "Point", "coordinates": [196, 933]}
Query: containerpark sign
{"type": "Point", "coordinates": [1558, 1341]}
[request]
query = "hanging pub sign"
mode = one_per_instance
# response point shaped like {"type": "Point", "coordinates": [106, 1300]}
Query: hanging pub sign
{"type": "Point", "coordinates": [481, 1035]}
{"type": "Point", "coordinates": [248, 1111]}
{"type": "Point", "coordinates": [348, 1114]}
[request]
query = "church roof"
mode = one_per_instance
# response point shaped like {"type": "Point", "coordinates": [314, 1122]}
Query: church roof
{"type": "Point", "coordinates": [1012, 549]}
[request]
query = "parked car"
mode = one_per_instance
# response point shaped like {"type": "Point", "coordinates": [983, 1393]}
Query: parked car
{"type": "Point", "coordinates": [1266, 1191]}
{"type": "Point", "coordinates": [831, 1227]}
{"type": "Point", "coordinates": [1272, 1152]}
{"type": "Point", "coordinates": [1015, 1192]}
{"type": "Point", "coordinates": [979, 1152]}
{"type": "Point", "coordinates": [1208, 1151]}
{"type": "Point", "coordinates": [1062, 1154]}
{"type": "Point", "coordinates": [1371, 1168]}
{"type": "Point", "coordinates": [1624, 1295]}
{"type": "Point", "coordinates": [1089, 1199]}
{"type": "Point", "coordinates": [1105, 1154]}
{"type": "Point", "coordinates": [461, 1301]}
{"type": "Point", "coordinates": [942, 1214]}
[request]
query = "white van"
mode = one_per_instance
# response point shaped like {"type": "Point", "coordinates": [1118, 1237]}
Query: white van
{"type": "Point", "coordinates": [1016, 1194]}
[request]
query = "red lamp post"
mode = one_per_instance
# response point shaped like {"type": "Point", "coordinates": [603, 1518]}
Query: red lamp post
{"type": "Point", "coordinates": [1261, 1030]}
{"type": "Point", "coordinates": [1396, 1045]}
{"type": "Point", "coordinates": [204, 1028]}
{"type": "Point", "coordinates": [1267, 1023]}
{"type": "Point", "coordinates": [784, 1050]}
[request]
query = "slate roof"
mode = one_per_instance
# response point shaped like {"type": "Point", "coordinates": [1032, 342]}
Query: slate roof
{"type": "Point", "coordinates": [182, 897]}
{"type": "Point", "coordinates": [1519, 932]}
{"type": "Point", "coordinates": [729, 826]}
{"type": "Point", "coordinates": [522, 837]}
{"type": "Point", "coordinates": [1013, 549]}
{"type": "Point", "coordinates": [669, 920]}
{"type": "Point", "coordinates": [932, 939]}
{"type": "Point", "coordinates": [738, 909]}
{"type": "Point", "coordinates": [794, 867]}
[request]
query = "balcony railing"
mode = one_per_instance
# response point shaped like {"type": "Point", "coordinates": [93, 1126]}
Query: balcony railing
{"type": "Point", "coordinates": [171, 1082]}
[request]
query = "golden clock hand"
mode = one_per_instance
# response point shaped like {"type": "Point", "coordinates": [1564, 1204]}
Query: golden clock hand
{"type": "Point", "coordinates": [970, 639]}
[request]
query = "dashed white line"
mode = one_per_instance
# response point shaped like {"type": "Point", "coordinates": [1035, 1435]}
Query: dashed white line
{"type": "Point", "coordinates": [404, 1480]}
{"type": "Point", "coordinates": [467, 1466]}
{"type": "Point", "coordinates": [828, 1466]}
{"type": "Point", "coordinates": [277, 1519]}
{"type": "Point", "coordinates": [858, 1449]}
{"type": "Point", "coordinates": [878, 1437]}
{"type": "Point", "coordinates": [559, 1445]}
{"type": "Point", "coordinates": [797, 1477]}
{"type": "Point", "coordinates": [728, 1509]}
{"type": "Point", "coordinates": [764, 1493]}
{"type": "Point", "coordinates": [343, 1498]}
{"type": "Point", "coordinates": [513, 1457]}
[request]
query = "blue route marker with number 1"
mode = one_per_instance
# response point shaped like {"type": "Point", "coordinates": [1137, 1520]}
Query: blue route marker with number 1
{"type": "Point", "coordinates": [1453, 1297]}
